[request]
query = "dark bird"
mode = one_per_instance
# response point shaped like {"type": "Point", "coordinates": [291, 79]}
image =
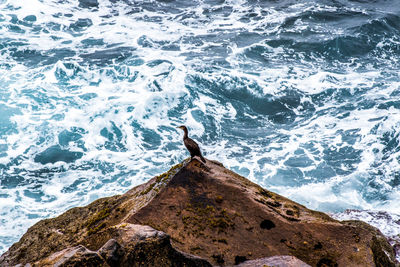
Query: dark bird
{"type": "Point", "coordinates": [191, 145]}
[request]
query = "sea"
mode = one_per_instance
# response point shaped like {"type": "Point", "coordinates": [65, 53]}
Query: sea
{"type": "Point", "coordinates": [300, 96]}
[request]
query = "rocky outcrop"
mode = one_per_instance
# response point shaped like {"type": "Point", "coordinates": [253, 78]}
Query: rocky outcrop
{"type": "Point", "coordinates": [204, 210]}
{"type": "Point", "coordinates": [134, 245]}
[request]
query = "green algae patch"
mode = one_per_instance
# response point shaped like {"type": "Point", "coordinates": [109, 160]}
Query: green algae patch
{"type": "Point", "coordinates": [97, 228]}
{"type": "Point", "coordinates": [171, 172]}
{"type": "Point", "coordinates": [265, 193]}
{"type": "Point", "coordinates": [148, 189]}
{"type": "Point", "coordinates": [92, 224]}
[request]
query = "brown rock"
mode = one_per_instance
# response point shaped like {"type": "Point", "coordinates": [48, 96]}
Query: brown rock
{"type": "Point", "coordinates": [276, 261]}
{"type": "Point", "coordinates": [75, 256]}
{"type": "Point", "coordinates": [112, 252]}
{"type": "Point", "coordinates": [142, 245]}
{"type": "Point", "coordinates": [208, 211]}
{"type": "Point", "coordinates": [139, 245]}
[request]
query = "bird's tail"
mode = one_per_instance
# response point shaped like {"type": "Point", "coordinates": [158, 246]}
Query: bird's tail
{"type": "Point", "coordinates": [202, 158]}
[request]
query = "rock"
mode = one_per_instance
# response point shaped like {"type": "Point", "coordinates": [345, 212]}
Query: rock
{"type": "Point", "coordinates": [111, 252]}
{"type": "Point", "coordinates": [276, 261]}
{"type": "Point", "coordinates": [145, 246]}
{"type": "Point", "coordinates": [204, 210]}
{"type": "Point", "coordinates": [75, 256]}
{"type": "Point", "coordinates": [141, 246]}
{"type": "Point", "coordinates": [135, 232]}
{"type": "Point", "coordinates": [208, 210]}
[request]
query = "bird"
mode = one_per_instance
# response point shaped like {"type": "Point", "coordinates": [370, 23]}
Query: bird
{"type": "Point", "coordinates": [191, 145]}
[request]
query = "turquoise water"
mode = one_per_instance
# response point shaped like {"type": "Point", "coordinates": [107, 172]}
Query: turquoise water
{"type": "Point", "coordinates": [301, 97]}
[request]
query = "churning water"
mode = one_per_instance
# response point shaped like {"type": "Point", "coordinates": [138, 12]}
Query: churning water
{"type": "Point", "coordinates": [301, 97]}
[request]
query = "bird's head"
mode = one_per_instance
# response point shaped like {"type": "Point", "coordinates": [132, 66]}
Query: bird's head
{"type": "Point", "coordinates": [182, 127]}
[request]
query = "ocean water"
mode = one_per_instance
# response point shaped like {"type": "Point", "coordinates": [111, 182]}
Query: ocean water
{"type": "Point", "coordinates": [302, 97]}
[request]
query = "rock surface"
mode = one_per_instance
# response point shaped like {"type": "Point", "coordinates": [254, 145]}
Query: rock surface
{"type": "Point", "coordinates": [75, 256]}
{"type": "Point", "coordinates": [276, 261]}
{"type": "Point", "coordinates": [134, 245]}
{"type": "Point", "coordinates": [204, 210]}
